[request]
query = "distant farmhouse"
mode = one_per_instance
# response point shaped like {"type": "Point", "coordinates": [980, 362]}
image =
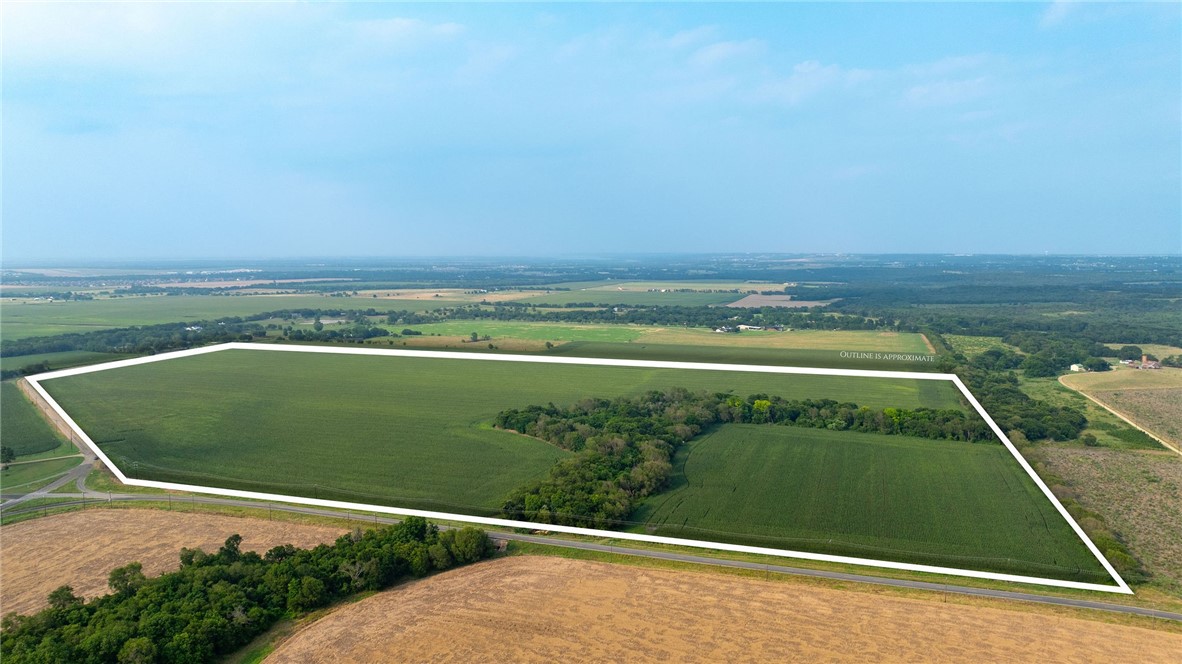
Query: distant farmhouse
{"type": "Point", "coordinates": [1147, 363]}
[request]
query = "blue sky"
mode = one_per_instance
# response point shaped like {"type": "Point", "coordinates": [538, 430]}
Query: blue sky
{"type": "Point", "coordinates": [269, 130]}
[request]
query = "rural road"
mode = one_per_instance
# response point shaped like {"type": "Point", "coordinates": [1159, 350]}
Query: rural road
{"type": "Point", "coordinates": [76, 474]}
{"type": "Point", "coordinates": [91, 498]}
{"type": "Point", "coordinates": [1165, 444]}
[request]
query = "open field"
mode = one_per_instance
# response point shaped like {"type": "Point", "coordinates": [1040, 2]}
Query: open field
{"type": "Point", "coordinates": [737, 354]}
{"type": "Point", "coordinates": [885, 497]}
{"type": "Point", "coordinates": [21, 426]}
{"type": "Point", "coordinates": [533, 609]}
{"type": "Point", "coordinates": [1139, 494]}
{"type": "Point", "coordinates": [1124, 378]}
{"type": "Point", "coordinates": [756, 301]}
{"type": "Point", "coordinates": [24, 477]}
{"type": "Point", "coordinates": [503, 331]}
{"type": "Point", "coordinates": [1152, 399]}
{"type": "Point", "coordinates": [81, 548]}
{"type": "Point", "coordinates": [848, 340]}
{"type": "Point", "coordinates": [1108, 429]}
{"type": "Point", "coordinates": [612, 296]}
{"type": "Point", "coordinates": [393, 430]}
{"type": "Point", "coordinates": [500, 331]}
{"type": "Point", "coordinates": [973, 346]}
{"type": "Point", "coordinates": [1158, 350]}
{"type": "Point", "coordinates": [28, 318]}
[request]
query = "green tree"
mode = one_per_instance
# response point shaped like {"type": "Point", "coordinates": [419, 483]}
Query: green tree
{"type": "Point", "coordinates": [139, 650]}
{"type": "Point", "coordinates": [1097, 364]}
{"type": "Point", "coordinates": [306, 593]}
{"type": "Point", "coordinates": [63, 598]}
{"type": "Point", "coordinates": [1129, 353]}
{"type": "Point", "coordinates": [127, 579]}
{"type": "Point", "coordinates": [7, 454]}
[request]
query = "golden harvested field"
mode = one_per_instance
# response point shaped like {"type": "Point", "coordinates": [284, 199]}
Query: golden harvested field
{"type": "Point", "coordinates": [1139, 494]}
{"type": "Point", "coordinates": [540, 609]}
{"type": "Point", "coordinates": [81, 548]}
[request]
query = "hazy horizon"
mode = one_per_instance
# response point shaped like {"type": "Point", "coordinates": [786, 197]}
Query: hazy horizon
{"type": "Point", "coordinates": [233, 132]}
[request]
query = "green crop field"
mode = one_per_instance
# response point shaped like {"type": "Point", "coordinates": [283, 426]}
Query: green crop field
{"type": "Point", "coordinates": [839, 340]}
{"type": "Point", "coordinates": [890, 497]}
{"type": "Point", "coordinates": [786, 357]}
{"type": "Point", "coordinates": [393, 430]}
{"type": "Point", "coordinates": [30, 318]}
{"type": "Point", "coordinates": [631, 297]}
{"type": "Point", "coordinates": [556, 332]}
{"type": "Point", "coordinates": [21, 426]}
{"type": "Point", "coordinates": [60, 360]}
{"type": "Point", "coordinates": [973, 346]}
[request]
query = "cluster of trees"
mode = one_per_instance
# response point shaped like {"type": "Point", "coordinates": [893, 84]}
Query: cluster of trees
{"type": "Point", "coordinates": [346, 333]}
{"type": "Point", "coordinates": [817, 318]}
{"type": "Point", "coordinates": [143, 340]}
{"type": "Point", "coordinates": [217, 602]}
{"type": "Point", "coordinates": [1048, 354]}
{"type": "Point", "coordinates": [991, 379]}
{"type": "Point", "coordinates": [624, 447]}
{"type": "Point", "coordinates": [27, 370]}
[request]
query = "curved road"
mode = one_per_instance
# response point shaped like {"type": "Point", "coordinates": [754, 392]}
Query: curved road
{"type": "Point", "coordinates": [91, 498]}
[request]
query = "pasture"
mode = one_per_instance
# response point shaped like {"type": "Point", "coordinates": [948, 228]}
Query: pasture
{"type": "Point", "coordinates": [1151, 398]}
{"type": "Point", "coordinates": [392, 430]}
{"type": "Point", "coordinates": [886, 497]}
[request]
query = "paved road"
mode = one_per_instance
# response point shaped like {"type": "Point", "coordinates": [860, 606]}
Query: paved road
{"type": "Point", "coordinates": [91, 498]}
{"type": "Point", "coordinates": [76, 474]}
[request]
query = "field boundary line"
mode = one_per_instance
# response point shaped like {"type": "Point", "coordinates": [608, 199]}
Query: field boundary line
{"type": "Point", "coordinates": [1120, 587]}
{"type": "Point", "coordinates": [1138, 427]}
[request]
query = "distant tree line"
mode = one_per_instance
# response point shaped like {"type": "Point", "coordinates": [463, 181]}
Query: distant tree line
{"type": "Point", "coordinates": [816, 318]}
{"type": "Point", "coordinates": [217, 602]}
{"type": "Point", "coordinates": [624, 447]}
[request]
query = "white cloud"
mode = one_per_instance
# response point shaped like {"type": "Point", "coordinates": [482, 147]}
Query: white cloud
{"type": "Point", "coordinates": [1056, 13]}
{"type": "Point", "coordinates": [946, 92]}
{"type": "Point", "coordinates": [809, 79]}
{"type": "Point", "coordinates": [687, 38]}
{"type": "Point", "coordinates": [713, 54]}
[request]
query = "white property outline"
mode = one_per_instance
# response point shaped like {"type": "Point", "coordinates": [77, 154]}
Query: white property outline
{"type": "Point", "coordinates": [1120, 587]}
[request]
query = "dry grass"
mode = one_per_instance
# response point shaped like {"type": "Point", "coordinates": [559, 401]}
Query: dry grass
{"type": "Point", "coordinates": [1152, 399]}
{"type": "Point", "coordinates": [1159, 411]}
{"type": "Point", "coordinates": [81, 548]}
{"type": "Point", "coordinates": [536, 609]}
{"type": "Point", "coordinates": [1124, 378]}
{"type": "Point", "coordinates": [1139, 494]}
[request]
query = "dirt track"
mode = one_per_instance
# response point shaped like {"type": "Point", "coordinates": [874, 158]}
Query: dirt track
{"type": "Point", "coordinates": [81, 548]}
{"type": "Point", "coordinates": [535, 609]}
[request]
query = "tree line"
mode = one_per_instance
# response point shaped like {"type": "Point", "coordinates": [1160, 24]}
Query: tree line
{"type": "Point", "coordinates": [217, 602]}
{"type": "Point", "coordinates": [624, 447]}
